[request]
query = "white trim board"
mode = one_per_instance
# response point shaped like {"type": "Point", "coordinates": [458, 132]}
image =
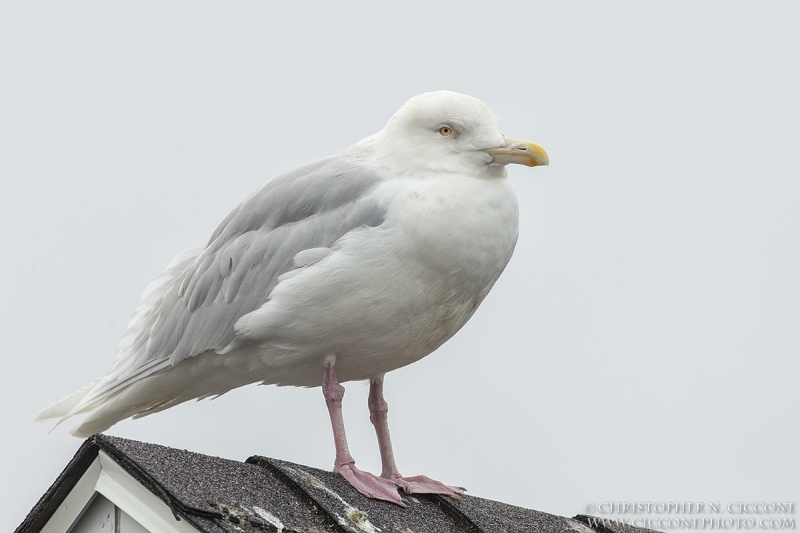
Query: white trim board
{"type": "Point", "coordinates": [76, 501]}
{"type": "Point", "coordinates": [106, 477]}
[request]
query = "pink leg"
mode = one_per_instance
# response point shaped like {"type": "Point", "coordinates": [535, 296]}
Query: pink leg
{"type": "Point", "coordinates": [378, 415]}
{"type": "Point", "coordinates": [367, 484]}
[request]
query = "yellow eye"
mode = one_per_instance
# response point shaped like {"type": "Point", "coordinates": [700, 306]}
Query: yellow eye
{"type": "Point", "coordinates": [446, 131]}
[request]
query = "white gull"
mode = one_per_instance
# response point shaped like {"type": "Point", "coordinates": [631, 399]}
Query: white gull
{"type": "Point", "coordinates": [341, 269]}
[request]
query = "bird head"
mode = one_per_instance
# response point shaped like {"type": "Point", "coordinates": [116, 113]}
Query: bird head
{"type": "Point", "coordinates": [444, 131]}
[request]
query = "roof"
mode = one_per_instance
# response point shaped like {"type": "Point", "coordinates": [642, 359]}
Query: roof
{"type": "Point", "coordinates": [224, 496]}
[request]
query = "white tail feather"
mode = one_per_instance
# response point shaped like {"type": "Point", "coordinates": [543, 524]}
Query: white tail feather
{"type": "Point", "coordinates": [60, 408]}
{"type": "Point", "coordinates": [98, 398]}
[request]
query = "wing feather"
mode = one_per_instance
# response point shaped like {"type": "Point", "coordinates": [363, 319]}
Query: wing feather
{"type": "Point", "coordinates": [192, 308]}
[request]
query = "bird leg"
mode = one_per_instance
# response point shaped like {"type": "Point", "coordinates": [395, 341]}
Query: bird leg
{"type": "Point", "coordinates": [367, 484]}
{"type": "Point", "coordinates": [378, 415]}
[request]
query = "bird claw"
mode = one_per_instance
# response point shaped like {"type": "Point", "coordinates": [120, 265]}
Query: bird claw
{"type": "Point", "coordinates": [426, 485]}
{"type": "Point", "coordinates": [371, 485]}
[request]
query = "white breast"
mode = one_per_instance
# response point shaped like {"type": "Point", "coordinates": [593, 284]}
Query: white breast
{"type": "Point", "coordinates": [460, 231]}
{"type": "Point", "coordinates": [390, 295]}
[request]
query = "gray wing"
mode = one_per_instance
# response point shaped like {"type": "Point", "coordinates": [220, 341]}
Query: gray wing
{"type": "Point", "coordinates": [305, 210]}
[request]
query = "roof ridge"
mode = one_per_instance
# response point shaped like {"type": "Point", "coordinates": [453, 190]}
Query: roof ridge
{"type": "Point", "coordinates": [270, 464]}
{"type": "Point", "coordinates": [456, 514]}
{"type": "Point", "coordinates": [215, 494]}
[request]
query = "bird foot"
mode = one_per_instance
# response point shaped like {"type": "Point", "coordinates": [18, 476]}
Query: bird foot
{"type": "Point", "coordinates": [370, 485]}
{"type": "Point", "coordinates": [426, 485]}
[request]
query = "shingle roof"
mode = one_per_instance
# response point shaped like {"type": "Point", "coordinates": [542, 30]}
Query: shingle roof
{"type": "Point", "coordinates": [224, 496]}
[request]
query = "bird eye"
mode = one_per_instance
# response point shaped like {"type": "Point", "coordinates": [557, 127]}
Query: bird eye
{"type": "Point", "coordinates": [446, 131]}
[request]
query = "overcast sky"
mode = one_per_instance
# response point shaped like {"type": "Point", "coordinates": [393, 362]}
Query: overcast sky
{"type": "Point", "coordinates": [642, 344]}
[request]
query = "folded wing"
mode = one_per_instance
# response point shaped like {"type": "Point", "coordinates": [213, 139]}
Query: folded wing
{"type": "Point", "coordinates": [289, 223]}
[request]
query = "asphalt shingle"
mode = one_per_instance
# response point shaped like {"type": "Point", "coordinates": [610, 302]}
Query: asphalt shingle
{"type": "Point", "coordinates": [262, 494]}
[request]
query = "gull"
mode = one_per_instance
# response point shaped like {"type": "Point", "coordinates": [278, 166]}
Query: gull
{"type": "Point", "coordinates": [341, 269]}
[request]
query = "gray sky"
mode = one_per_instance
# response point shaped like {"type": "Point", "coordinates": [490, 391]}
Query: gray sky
{"type": "Point", "coordinates": [643, 343]}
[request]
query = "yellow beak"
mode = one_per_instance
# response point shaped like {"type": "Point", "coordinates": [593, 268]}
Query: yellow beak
{"type": "Point", "coordinates": [520, 152]}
